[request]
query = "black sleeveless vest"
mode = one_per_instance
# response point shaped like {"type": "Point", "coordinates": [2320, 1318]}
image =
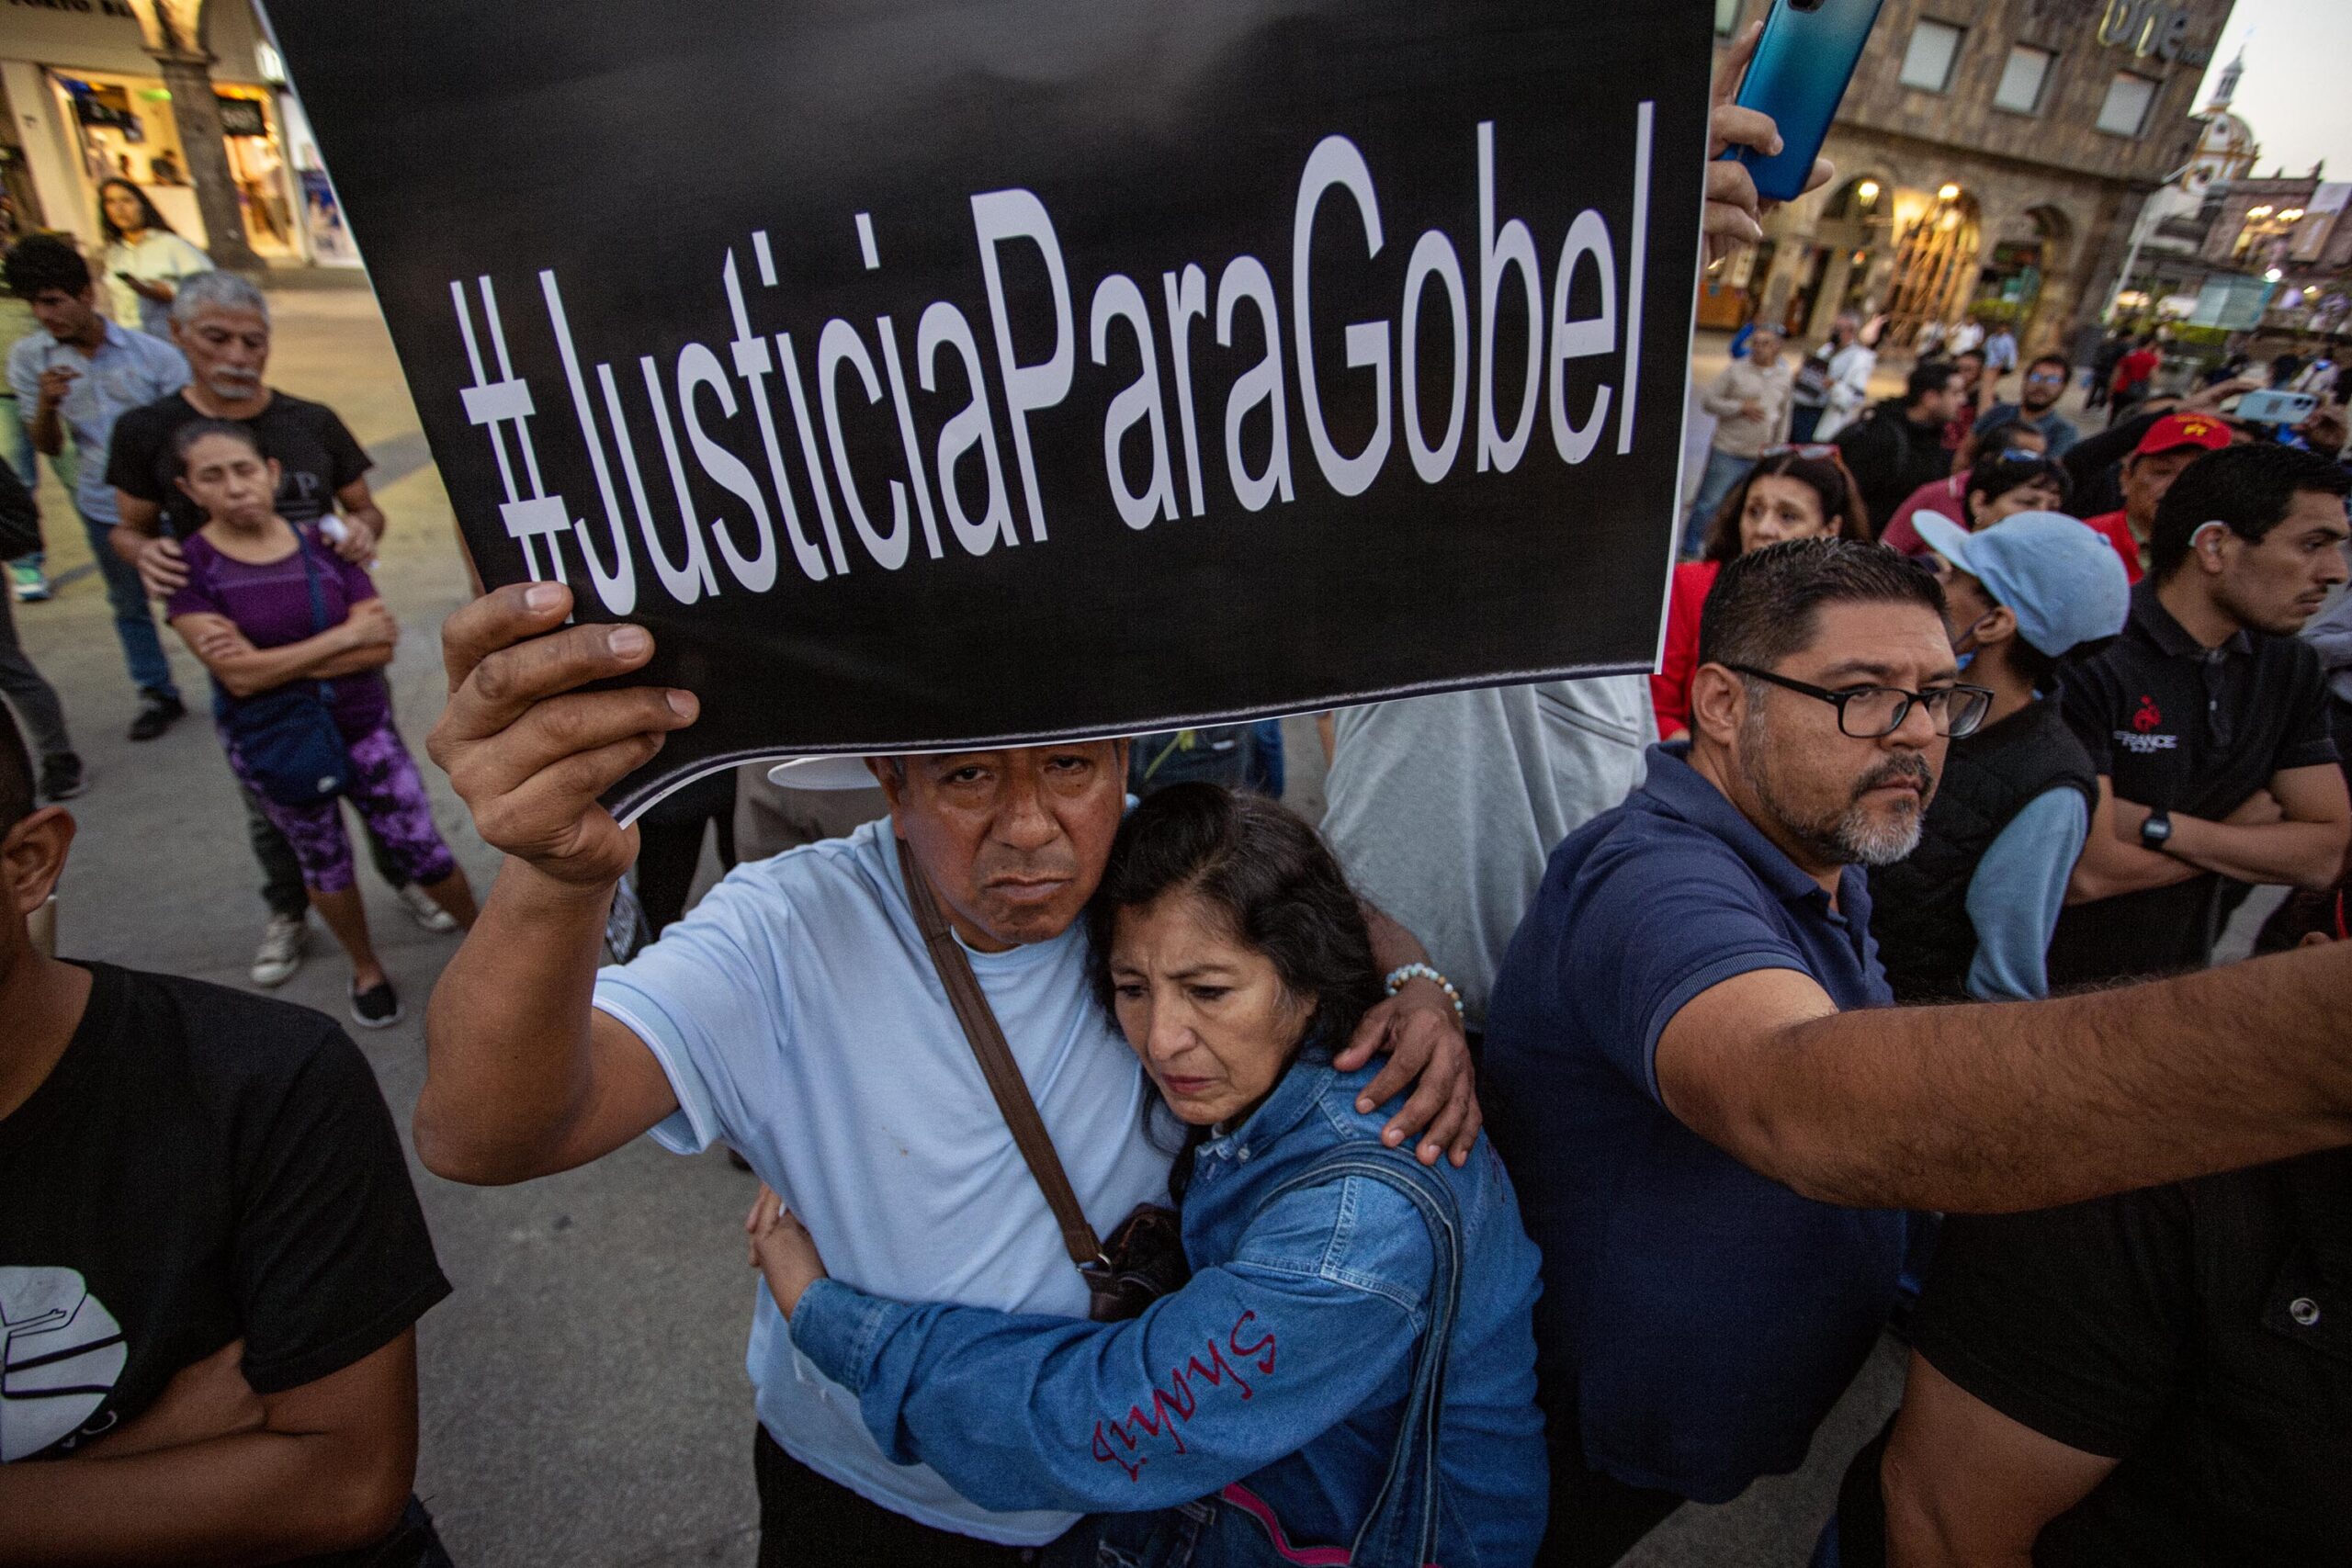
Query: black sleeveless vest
{"type": "Point", "coordinates": [1920, 907]}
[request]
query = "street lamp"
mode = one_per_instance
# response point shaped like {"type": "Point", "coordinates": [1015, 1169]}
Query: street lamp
{"type": "Point", "coordinates": [1948, 193]}
{"type": "Point", "coordinates": [1866, 192]}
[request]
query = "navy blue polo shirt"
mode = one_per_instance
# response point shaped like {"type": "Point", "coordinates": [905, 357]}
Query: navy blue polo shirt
{"type": "Point", "coordinates": [1702, 1317]}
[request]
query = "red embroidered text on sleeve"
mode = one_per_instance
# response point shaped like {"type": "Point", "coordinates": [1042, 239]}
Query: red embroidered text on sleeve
{"type": "Point", "coordinates": [1120, 1441]}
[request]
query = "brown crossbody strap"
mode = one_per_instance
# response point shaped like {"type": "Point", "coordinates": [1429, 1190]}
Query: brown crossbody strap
{"type": "Point", "coordinates": [980, 1028]}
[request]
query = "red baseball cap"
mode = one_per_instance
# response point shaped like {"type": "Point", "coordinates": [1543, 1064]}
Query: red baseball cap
{"type": "Point", "coordinates": [2177, 430]}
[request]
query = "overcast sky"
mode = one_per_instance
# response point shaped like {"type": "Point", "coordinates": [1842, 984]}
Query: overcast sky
{"type": "Point", "coordinates": [2298, 89]}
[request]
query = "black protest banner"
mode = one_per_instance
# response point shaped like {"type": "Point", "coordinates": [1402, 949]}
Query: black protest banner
{"type": "Point", "coordinates": [934, 374]}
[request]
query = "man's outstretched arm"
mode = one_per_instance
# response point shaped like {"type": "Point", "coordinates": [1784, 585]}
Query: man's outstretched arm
{"type": "Point", "coordinates": [523, 1076]}
{"type": "Point", "coordinates": [1994, 1108]}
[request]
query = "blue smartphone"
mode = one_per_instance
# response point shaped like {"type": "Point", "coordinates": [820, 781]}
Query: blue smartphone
{"type": "Point", "coordinates": [1802, 62]}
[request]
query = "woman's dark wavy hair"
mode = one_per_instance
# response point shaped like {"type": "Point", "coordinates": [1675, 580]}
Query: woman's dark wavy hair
{"type": "Point", "coordinates": [1828, 477]}
{"type": "Point", "coordinates": [152, 219]}
{"type": "Point", "coordinates": [1266, 876]}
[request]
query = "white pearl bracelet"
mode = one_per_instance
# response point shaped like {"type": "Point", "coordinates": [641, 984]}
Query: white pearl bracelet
{"type": "Point", "coordinates": [1404, 972]}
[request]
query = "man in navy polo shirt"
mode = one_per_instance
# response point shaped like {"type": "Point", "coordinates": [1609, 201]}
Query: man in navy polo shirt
{"type": "Point", "coordinates": [1712, 1117]}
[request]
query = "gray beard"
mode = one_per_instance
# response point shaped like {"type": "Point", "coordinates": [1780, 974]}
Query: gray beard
{"type": "Point", "coordinates": [1860, 840]}
{"type": "Point", "coordinates": [1852, 837]}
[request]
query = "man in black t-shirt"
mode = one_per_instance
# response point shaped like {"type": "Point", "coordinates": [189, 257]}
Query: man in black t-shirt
{"type": "Point", "coordinates": [2206, 719]}
{"type": "Point", "coordinates": [221, 324]}
{"type": "Point", "coordinates": [211, 1263]}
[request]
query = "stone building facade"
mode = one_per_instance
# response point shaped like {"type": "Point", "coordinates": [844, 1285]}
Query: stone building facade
{"type": "Point", "coordinates": [1992, 157]}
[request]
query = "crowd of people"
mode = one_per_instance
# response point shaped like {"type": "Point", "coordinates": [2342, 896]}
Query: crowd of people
{"type": "Point", "coordinates": [266, 580]}
{"type": "Point", "coordinates": [1145, 1175]}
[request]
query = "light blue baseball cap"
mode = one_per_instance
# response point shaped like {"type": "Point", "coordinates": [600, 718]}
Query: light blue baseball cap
{"type": "Point", "coordinates": [2060, 577]}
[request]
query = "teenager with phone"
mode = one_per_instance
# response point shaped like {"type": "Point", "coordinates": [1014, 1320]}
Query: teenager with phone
{"type": "Point", "coordinates": [145, 260]}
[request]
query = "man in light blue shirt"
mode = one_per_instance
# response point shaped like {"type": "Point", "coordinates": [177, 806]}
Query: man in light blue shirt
{"type": "Point", "coordinates": [1971, 911]}
{"type": "Point", "coordinates": [72, 379]}
{"type": "Point", "coordinates": [796, 1015]}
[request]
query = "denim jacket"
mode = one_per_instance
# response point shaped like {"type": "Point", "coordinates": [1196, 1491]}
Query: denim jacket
{"type": "Point", "coordinates": [1283, 1366]}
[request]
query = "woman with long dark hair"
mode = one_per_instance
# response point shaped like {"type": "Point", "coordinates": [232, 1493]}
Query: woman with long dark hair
{"type": "Point", "coordinates": [1353, 1362]}
{"type": "Point", "coordinates": [144, 259]}
{"type": "Point", "coordinates": [1793, 492]}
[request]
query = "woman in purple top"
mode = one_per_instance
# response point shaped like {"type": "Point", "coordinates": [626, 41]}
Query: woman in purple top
{"type": "Point", "coordinates": [248, 613]}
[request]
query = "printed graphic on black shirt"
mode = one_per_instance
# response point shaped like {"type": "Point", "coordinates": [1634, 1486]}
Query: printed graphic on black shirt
{"type": "Point", "coordinates": [290, 1225]}
{"type": "Point", "coordinates": [60, 1351]}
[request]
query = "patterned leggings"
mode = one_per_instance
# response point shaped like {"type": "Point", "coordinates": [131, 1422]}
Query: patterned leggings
{"type": "Point", "coordinates": [388, 793]}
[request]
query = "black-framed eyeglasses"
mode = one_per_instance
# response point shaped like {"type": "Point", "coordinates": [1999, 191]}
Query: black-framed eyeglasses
{"type": "Point", "coordinates": [1868, 712]}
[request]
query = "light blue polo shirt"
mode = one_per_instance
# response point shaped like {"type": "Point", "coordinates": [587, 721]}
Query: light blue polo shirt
{"type": "Point", "coordinates": [800, 1020]}
{"type": "Point", "coordinates": [129, 368]}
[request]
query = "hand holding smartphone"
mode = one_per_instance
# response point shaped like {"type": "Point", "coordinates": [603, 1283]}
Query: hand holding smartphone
{"type": "Point", "coordinates": [2267, 407]}
{"type": "Point", "coordinates": [1802, 64]}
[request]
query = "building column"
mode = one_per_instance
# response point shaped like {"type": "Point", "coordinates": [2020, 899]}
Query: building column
{"type": "Point", "coordinates": [188, 76]}
{"type": "Point", "coordinates": [1780, 282]}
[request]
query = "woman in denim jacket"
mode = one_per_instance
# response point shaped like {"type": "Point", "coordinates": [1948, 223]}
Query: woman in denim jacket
{"type": "Point", "coordinates": [1287, 1402]}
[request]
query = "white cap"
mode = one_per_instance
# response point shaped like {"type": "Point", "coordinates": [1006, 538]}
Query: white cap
{"type": "Point", "coordinates": [822, 773]}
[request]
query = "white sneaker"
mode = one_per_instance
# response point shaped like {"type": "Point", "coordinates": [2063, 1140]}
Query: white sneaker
{"type": "Point", "coordinates": [281, 953]}
{"type": "Point", "coordinates": [424, 910]}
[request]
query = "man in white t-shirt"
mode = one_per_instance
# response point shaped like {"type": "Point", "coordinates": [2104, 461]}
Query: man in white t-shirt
{"type": "Point", "coordinates": [1444, 810]}
{"type": "Point", "coordinates": [795, 1016]}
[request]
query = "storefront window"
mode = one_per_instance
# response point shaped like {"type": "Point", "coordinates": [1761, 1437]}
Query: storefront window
{"type": "Point", "coordinates": [126, 130]}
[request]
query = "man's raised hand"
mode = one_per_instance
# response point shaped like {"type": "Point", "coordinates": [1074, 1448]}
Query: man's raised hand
{"type": "Point", "coordinates": [1734, 212]}
{"type": "Point", "coordinates": [526, 749]}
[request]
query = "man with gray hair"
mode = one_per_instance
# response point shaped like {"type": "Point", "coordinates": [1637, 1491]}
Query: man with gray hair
{"type": "Point", "coordinates": [221, 324]}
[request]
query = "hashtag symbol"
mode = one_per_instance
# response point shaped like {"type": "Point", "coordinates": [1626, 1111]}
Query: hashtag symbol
{"type": "Point", "coordinates": [529, 514]}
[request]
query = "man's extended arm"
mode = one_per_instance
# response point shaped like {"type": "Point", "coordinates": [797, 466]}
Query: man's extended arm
{"type": "Point", "coordinates": [1991, 1108]}
{"type": "Point", "coordinates": [325, 1468]}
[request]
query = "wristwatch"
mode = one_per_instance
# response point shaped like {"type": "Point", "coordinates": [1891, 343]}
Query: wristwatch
{"type": "Point", "coordinates": [2156, 831]}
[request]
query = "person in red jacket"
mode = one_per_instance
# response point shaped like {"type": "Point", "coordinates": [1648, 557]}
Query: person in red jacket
{"type": "Point", "coordinates": [1793, 492]}
{"type": "Point", "coordinates": [2170, 445]}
